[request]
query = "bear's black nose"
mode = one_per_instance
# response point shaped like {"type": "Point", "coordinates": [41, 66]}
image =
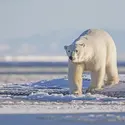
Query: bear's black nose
{"type": "Point", "coordinates": [70, 57]}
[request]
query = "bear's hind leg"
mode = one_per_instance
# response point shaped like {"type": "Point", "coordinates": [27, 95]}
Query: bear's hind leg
{"type": "Point", "coordinates": [112, 74]}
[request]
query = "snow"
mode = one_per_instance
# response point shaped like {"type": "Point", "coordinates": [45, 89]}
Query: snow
{"type": "Point", "coordinates": [49, 102]}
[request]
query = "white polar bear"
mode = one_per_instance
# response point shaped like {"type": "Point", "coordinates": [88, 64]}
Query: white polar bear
{"type": "Point", "coordinates": [94, 50]}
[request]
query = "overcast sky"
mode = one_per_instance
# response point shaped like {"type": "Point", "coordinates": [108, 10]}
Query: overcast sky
{"type": "Point", "coordinates": [25, 18]}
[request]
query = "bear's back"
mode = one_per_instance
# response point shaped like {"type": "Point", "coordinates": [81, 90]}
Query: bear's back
{"type": "Point", "coordinates": [92, 34]}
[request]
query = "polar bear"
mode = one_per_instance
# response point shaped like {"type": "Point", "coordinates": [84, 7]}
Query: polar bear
{"type": "Point", "coordinates": [95, 51]}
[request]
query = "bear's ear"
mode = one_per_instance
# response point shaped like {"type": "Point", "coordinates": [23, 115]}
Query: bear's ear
{"type": "Point", "coordinates": [82, 44]}
{"type": "Point", "coordinates": [65, 47]}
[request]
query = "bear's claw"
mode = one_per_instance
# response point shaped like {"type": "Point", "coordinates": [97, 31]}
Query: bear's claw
{"type": "Point", "coordinates": [77, 93]}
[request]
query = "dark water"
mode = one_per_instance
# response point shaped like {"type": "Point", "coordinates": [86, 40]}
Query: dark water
{"type": "Point", "coordinates": [33, 64]}
{"type": "Point", "coordinates": [43, 64]}
{"type": "Point", "coordinates": [12, 67]}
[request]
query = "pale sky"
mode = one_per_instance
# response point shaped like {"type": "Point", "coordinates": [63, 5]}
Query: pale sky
{"type": "Point", "coordinates": [25, 18]}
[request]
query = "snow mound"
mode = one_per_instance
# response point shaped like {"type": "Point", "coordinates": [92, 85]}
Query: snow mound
{"type": "Point", "coordinates": [58, 90]}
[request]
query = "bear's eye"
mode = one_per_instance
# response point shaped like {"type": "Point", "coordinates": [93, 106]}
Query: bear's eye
{"type": "Point", "coordinates": [68, 51]}
{"type": "Point", "coordinates": [76, 51]}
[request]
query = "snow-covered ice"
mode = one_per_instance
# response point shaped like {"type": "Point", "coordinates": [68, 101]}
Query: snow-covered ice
{"type": "Point", "coordinates": [49, 102]}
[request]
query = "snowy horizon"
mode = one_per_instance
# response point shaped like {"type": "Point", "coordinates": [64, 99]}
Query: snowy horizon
{"type": "Point", "coordinates": [54, 40]}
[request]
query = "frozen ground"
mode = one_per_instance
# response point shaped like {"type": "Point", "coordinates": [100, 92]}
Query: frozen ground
{"type": "Point", "coordinates": [48, 102]}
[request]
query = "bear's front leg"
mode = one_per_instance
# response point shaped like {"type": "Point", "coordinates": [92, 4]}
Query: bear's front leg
{"type": "Point", "coordinates": [75, 78]}
{"type": "Point", "coordinates": [97, 80]}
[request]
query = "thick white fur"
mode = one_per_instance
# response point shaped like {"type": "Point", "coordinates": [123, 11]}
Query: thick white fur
{"type": "Point", "coordinates": [97, 53]}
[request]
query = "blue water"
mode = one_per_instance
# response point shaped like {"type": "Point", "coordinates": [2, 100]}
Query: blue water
{"type": "Point", "coordinates": [33, 65]}
{"type": "Point", "coordinates": [43, 64]}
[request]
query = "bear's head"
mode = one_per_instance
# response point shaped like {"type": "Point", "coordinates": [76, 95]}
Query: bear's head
{"type": "Point", "coordinates": [75, 52]}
